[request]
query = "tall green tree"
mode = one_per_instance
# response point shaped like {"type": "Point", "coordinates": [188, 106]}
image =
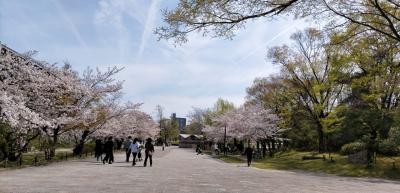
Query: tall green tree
{"type": "Point", "coordinates": [307, 69]}
{"type": "Point", "coordinates": [372, 68]}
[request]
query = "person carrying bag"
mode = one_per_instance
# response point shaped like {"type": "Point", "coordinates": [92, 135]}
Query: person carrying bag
{"type": "Point", "coordinates": [149, 150]}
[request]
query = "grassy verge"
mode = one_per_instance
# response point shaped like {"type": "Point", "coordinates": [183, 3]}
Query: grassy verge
{"type": "Point", "coordinates": [28, 159]}
{"type": "Point", "coordinates": [292, 160]}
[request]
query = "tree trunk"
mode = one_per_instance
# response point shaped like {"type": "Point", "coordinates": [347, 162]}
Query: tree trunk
{"type": "Point", "coordinates": [273, 144]}
{"type": "Point", "coordinates": [225, 149]}
{"type": "Point", "coordinates": [371, 147]}
{"type": "Point", "coordinates": [270, 148]}
{"type": "Point", "coordinates": [320, 137]}
{"type": "Point", "coordinates": [78, 149]}
{"type": "Point", "coordinates": [54, 143]}
{"type": "Point", "coordinates": [264, 148]}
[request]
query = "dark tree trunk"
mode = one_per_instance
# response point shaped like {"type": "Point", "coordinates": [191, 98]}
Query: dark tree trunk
{"type": "Point", "coordinates": [264, 148]}
{"type": "Point", "coordinates": [80, 145]}
{"type": "Point", "coordinates": [320, 138]}
{"type": "Point", "coordinates": [279, 144]}
{"type": "Point", "coordinates": [54, 143]}
{"type": "Point", "coordinates": [273, 144]}
{"type": "Point", "coordinates": [371, 147]}
{"type": "Point", "coordinates": [270, 148]}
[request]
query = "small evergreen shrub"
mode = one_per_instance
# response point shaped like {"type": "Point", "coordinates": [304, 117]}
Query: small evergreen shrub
{"type": "Point", "coordinates": [353, 147]}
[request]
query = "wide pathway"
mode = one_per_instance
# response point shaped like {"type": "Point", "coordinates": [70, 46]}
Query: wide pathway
{"type": "Point", "coordinates": [178, 170]}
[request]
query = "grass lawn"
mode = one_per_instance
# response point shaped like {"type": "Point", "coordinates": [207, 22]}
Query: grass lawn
{"type": "Point", "coordinates": [28, 159]}
{"type": "Point", "coordinates": [292, 160]}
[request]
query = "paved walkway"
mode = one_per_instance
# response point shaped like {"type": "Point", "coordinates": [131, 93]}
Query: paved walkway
{"type": "Point", "coordinates": [178, 170]}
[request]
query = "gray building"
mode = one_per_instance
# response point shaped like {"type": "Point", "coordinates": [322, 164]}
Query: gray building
{"type": "Point", "coordinates": [181, 122]}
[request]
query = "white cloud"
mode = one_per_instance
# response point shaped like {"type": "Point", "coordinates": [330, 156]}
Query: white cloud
{"type": "Point", "coordinates": [111, 12]}
{"type": "Point", "coordinates": [149, 26]}
{"type": "Point", "coordinates": [70, 24]}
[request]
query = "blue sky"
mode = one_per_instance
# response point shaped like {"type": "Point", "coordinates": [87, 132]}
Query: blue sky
{"type": "Point", "coordinates": [119, 33]}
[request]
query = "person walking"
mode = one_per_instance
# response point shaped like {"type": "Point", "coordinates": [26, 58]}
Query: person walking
{"type": "Point", "coordinates": [108, 149]}
{"type": "Point", "coordinates": [198, 149]}
{"type": "Point", "coordinates": [216, 150]}
{"type": "Point", "coordinates": [127, 148]}
{"type": "Point", "coordinates": [98, 148]}
{"type": "Point", "coordinates": [139, 155]}
{"type": "Point", "coordinates": [149, 150]}
{"type": "Point", "coordinates": [134, 148]}
{"type": "Point", "coordinates": [249, 154]}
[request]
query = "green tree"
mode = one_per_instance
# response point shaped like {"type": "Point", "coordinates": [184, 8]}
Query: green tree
{"type": "Point", "coordinates": [197, 121]}
{"type": "Point", "coordinates": [221, 18]}
{"type": "Point", "coordinates": [371, 70]}
{"type": "Point", "coordinates": [222, 106]}
{"type": "Point", "coordinates": [307, 72]}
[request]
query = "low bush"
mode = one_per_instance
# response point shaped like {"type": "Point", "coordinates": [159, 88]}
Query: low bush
{"type": "Point", "coordinates": [394, 135]}
{"type": "Point", "coordinates": [353, 147]}
{"type": "Point", "coordinates": [388, 147]}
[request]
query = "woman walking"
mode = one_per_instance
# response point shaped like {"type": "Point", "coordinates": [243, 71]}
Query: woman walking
{"type": "Point", "coordinates": [134, 148]}
{"type": "Point", "coordinates": [149, 150]}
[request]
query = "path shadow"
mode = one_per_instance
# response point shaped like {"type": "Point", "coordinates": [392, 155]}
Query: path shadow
{"type": "Point", "coordinates": [130, 166]}
{"type": "Point", "coordinates": [87, 161]}
{"type": "Point", "coordinates": [97, 164]}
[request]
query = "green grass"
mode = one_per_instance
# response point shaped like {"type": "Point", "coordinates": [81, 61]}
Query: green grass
{"type": "Point", "coordinates": [292, 160]}
{"type": "Point", "coordinates": [28, 159]}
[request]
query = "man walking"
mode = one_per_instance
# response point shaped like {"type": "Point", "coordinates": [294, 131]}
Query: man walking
{"type": "Point", "coordinates": [127, 148]}
{"type": "Point", "coordinates": [108, 149]}
{"type": "Point", "coordinates": [249, 154]}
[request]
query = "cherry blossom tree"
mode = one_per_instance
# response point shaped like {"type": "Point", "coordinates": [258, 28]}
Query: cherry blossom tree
{"type": "Point", "coordinates": [40, 98]}
{"type": "Point", "coordinates": [251, 121]}
{"type": "Point", "coordinates": [20, 79]}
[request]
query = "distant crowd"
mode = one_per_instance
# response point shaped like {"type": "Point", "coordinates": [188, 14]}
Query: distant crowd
{"type": "Point", "coordinates": [134, 146]}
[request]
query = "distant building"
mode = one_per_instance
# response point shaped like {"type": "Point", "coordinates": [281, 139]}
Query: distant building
{"type": "Point", "coordinates": [181, 122]}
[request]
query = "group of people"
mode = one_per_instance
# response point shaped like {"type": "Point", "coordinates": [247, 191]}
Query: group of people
{"type": "Point", "coordinates": [104, 147]}
{"type": "Point", "coordinates": [133, 147]}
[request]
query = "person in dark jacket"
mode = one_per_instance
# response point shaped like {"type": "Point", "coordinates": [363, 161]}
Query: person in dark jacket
{"type": "Point", "coordinates": [108, 149]}
{"type": "Point", "coordinates": [127, 150]}
{"type": "Point", "coordinates": [249, 154]}
{"type": "Point", "coordinates": [98, 148]}
{"type": "Point", "coordinates": [149, 150]}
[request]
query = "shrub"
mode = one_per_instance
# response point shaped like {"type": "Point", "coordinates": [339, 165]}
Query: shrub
{"type": "Point", "coordinates": [174, 143]}
{"type": "Point", "coordinates": [394, 135]}
{"type": "Point", "coordinates": [388, 147]}
{"type": "Point", "coordinates": [353, 147]}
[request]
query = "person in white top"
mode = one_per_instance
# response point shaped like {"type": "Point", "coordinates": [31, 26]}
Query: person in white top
{"type": "Point", "coordinates": [216, 150]}
{"type": "Point", "coordinates": [134, 148]}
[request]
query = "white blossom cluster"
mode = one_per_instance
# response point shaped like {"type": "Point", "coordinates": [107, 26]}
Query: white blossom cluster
{"type": "Point", "coordinates": [248, 122]}
{"type": "Point", "coordinates": [42, 97]}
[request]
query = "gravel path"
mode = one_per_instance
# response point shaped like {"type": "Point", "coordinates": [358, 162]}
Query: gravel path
{"type": "Point", "coordinates": [178, 170]}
